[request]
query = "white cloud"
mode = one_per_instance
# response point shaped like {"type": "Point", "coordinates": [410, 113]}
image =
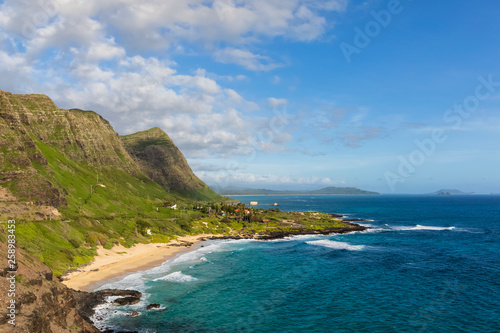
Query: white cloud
{"type": "Point", "coordinates": [276, 102]}
{"type": "Point", "coordinates": [231, 176]}
{"type": "Point", "coordinates": [100, 55]}
{"type": "Point", "coordinates": [247, 59]}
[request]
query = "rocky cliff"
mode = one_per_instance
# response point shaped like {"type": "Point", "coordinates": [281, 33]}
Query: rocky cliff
{"type": "Point", "coordinates": [30, 122]}
{"type": "Point", "coordinates": [43, 304]}
{"type": "Point", "coordinates": [59, 158]}
{"type": "Point", "coordinates": [160, 159]}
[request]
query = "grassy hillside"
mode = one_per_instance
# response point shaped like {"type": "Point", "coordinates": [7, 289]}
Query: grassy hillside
{"type": "Point", "coordinates": [69, 182]}
{"type": "Point", "coordinates": [160, 159]}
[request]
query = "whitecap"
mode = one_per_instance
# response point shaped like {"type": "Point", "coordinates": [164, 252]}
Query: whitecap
{"type": "Point", "coordinates": [337, 245]}
{"type": "Point", "coordinates": [423, 227]}
{"type": "Point", "coordinates": [177, 277]}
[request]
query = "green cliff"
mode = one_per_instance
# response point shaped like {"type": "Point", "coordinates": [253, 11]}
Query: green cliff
{"type": "Point", "coordinates": [160, 159]}
{"type": "Point", "coordinates": [74, 161]}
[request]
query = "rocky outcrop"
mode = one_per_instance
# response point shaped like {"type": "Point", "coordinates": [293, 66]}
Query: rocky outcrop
{"type": "Point", "coordinates": [127, 300]}
{"type": "Point", "coordinates": [86, 302]}
{"type": "Point", "coordinates": [278, 233]}
{"type": "Point", "coordinates": [43, 305]}
{"type": "Point", "coordinates": [153, 306]}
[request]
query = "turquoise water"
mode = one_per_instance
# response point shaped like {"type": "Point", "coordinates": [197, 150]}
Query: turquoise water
{"type": "Point", "coordinates": [429, 264]}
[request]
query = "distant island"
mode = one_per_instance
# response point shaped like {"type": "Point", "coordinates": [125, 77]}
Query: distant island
{"type": "Point", "coordinates": [446, 192]}
{"type": "Point", "coordinates": [324, 191]}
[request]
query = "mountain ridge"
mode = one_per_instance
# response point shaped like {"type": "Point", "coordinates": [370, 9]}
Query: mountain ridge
{"type": "Point", "coordinates": [162, 161]}
{"type": "Point", "coordinates": [74, 160]}
{"type": "Point", "coordinates": [331, 190]}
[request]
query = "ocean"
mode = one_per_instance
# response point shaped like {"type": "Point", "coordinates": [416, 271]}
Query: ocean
{"type": "Point", "coordinates": [428, 264]}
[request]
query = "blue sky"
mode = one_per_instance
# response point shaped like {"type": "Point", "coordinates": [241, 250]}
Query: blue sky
{"type": "Point", "coordinates": [279, 94]}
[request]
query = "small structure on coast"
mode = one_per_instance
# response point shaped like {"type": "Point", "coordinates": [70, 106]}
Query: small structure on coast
{"type": "Point", "coordinates": [275, 204]}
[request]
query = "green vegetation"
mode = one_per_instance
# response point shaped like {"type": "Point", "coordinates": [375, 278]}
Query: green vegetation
{"type": "Point", "coordinates": [73, 184]}
{"type": "Point", "coordinates": [163, 162]}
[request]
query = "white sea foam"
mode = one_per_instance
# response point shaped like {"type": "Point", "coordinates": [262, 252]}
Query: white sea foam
{"type": "Point", "coordinates": [423, 227]}
{"type": "Point", "coordinates": [337, 245]}
{"type": "Point", "coordinates": [296, 237]}
{"type": "Point", "coordinates": [178, 277]}
{"type": "Point", "coordinates": [375, 230]}
{"type": "Point", "coordinates": [134, 281]}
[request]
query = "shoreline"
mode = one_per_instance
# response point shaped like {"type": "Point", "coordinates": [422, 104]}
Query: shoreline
{"type": "Point", "coordinates": [110, 264]}
{"type": "Point", "coordinates": [114, 263]}
{"type": "Point", "coordinates": [119, 261]}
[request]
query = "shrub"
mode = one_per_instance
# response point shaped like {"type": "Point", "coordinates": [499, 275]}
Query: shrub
{"type": "Point", "coordinates": [76, 244]}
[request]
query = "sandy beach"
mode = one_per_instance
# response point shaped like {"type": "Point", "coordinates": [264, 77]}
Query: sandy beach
{"type": "Point", "coordinates": [120, 260]}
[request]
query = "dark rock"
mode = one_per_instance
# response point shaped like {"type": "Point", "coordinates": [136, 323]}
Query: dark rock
{"type": "Point", "coordinates": [133, 314]}
{"type": "Point", "coordinates": [127, 300]}
{"type": "Point", "coordinates": [27, 298]}
{"type": "Point", "coordinates": [153, 306]}
{"type": "Point", "coordinates": [35, 282]}
{"type": "Point", "coordinates": [86, 302]}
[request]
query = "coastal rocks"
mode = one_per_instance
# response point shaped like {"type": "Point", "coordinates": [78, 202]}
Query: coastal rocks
{"type": "Point", "coordinates": [127, 300]}
{"type": "Point", "coordinates": [86, 302]}
{"type": "Point", "coordinates": [42, 305]}
{"type": "Point", "coordinates": [153, 306]}
{"type": "Point", "coordinates": [355, 220]}
{"type": "Point", "coordinates": [278, 233]}
{"type": "Point", "coordinates": [133, 314]}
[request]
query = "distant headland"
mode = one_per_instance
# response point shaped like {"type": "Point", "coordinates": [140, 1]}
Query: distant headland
{"type": "Point", "coordinates": [324, 191]}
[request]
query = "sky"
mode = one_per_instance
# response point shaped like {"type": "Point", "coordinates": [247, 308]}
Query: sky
{"type": "Point", "coordinates": [384, 95]}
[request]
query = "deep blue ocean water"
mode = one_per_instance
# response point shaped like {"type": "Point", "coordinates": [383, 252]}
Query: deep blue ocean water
{"type": "Point", "coordinates": [429, 264]}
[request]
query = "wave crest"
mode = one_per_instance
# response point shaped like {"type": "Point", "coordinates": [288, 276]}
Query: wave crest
{"type": "Point", "coordinates": [177, 277]}
{"type": "Point", "coordinates": [337, 245]}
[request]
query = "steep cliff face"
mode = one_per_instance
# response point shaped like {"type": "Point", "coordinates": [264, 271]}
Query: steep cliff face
{"type": "Point", "coordinates": [74, 160]}
{"type": "Point", "coordinates": [80, 135]}
{"type": "Point", "coordinates": [160, 159]}
{"type": "Point", "coordinates": [28, 123]}
{"type": "Point", "coordinates": [42, 304]}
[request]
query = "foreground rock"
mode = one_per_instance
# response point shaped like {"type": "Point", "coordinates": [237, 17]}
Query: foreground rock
{"type": "Point", "coordinates": [86, 302]}
{"type": "Point", "coordinates": [153, 306]}
{"type": "Point", "coordinates": [43, 305]}
{"type": "Point", "coordinates": [127, 300]}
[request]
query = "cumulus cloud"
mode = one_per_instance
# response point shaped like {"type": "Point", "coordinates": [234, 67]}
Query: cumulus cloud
{"type": "Point", "coordinates": [104, 56]}
{"type": "Point", "coordinates": [246, 59]}
{"type": "Point", "coordinates": [229, 176]}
